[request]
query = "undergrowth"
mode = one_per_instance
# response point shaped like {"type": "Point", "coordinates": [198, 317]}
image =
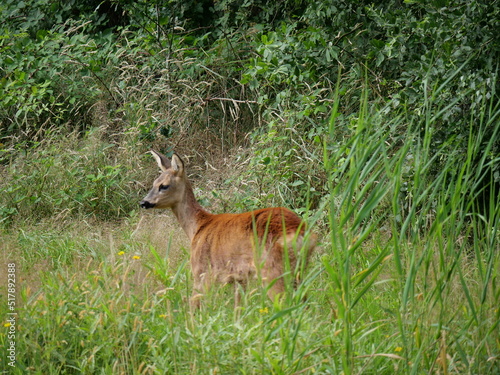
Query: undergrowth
{"type": "Point", "coordinates": [378, 123]}
{"type": "Point", "coordinates": [403, 281]}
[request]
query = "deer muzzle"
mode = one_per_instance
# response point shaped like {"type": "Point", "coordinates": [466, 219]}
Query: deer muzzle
{"type": "Point", "coordinates": [146, 204]}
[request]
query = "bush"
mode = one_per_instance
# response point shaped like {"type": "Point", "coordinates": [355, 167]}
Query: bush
{"type": "Point", "coordinates": [46, 61]}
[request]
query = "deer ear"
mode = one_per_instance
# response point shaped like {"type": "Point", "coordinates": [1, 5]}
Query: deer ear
{"type": "Point", "coordinates": [161, 160]}
{"type": "Point", "coordinates": [177, 164]}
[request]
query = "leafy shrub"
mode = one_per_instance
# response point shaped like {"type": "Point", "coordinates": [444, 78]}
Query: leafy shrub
{"type": "Point", "coordinates": [44, 70]}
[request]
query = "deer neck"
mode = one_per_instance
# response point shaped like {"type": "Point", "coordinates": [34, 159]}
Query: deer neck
{"type": "Point", "coordinates": [189, 213]}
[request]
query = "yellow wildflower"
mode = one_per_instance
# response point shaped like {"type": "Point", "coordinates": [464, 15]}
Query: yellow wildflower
{"type": "Point", "coordinates": [136, 257]}
{"type": "Point", "coordinates": [121, 252]}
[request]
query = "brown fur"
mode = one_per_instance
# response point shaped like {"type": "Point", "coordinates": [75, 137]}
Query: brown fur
{"type": "Point", "coordinates": [229, 248]}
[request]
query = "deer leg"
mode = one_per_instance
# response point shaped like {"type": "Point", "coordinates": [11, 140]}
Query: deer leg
{"type": "Point", "coordinates": [199, 288]}
{"type": "Point", "coordinates": [272, 272]}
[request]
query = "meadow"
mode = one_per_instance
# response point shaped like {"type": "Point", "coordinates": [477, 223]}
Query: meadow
{"type": "Point", "coordinates": [378, 123]}
{"type": "Point", "coordinates": [384, 295]}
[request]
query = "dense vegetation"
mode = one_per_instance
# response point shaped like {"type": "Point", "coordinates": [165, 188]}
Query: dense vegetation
{"type": "Point", "coordinates": [377, 121]}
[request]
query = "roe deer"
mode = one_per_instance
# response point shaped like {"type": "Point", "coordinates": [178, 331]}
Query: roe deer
{"type": "Point", "coordinates": [223, 246]}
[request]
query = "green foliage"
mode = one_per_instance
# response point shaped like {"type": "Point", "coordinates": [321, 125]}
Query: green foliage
{"type": "Point", "coordinates": [378, 121]}
{"type": "Point", "coordinates": [54, 181]}
{"type": "Point", "coordinates": [45, 64]}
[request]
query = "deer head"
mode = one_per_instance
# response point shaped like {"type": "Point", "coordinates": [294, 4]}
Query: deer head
{"type": "Point", "coordinates": [169, 188]}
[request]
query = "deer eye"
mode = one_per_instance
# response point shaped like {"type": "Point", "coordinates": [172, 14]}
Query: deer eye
{"type": "Point", "coordinates": [163, 187]}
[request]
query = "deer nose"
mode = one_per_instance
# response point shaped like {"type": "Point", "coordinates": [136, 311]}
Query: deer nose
{"type": "Point", "coordinates": [146, 204]}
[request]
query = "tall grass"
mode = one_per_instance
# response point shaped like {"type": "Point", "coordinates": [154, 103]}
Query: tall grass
{"type": "Point", "coordinates": [405, 280]}
{"type": "Point", "coordinates": [445, 290]}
